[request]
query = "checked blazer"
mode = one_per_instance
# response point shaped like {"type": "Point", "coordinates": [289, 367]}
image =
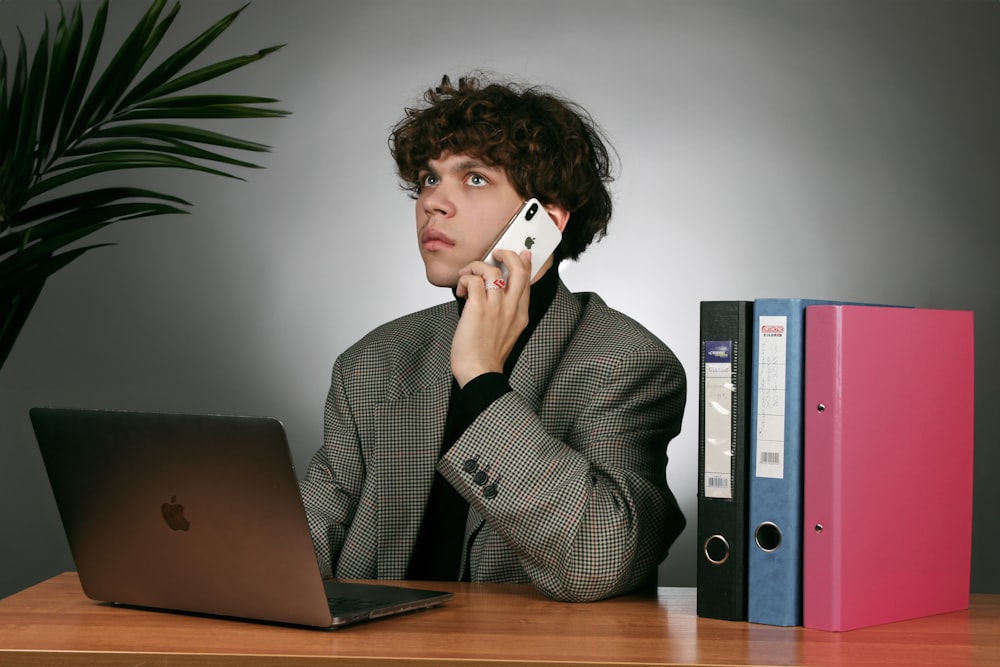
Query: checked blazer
{"type": "Point", "coordinates": [565, 475]}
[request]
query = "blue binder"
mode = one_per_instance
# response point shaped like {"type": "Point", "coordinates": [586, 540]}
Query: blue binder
{"type": "Point", "coordinates": [774, 558]}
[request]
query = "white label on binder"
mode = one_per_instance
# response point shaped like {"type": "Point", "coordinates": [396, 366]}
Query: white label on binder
{"type": "Point", "coordinates": [719, 396]}
{"type": "Point", "coordinates": [772, 347]}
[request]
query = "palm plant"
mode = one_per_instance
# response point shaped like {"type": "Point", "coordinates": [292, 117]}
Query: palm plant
{"type": "Point", "coordinates": [61, 121]}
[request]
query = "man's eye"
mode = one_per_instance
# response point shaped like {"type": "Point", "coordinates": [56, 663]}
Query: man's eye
{"type": "Point", "coordinates": [428, 179]}
{"type": "Point", "coordinates": [476, 179]}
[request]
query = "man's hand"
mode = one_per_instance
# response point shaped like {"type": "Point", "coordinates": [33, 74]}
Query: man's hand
{"type": "Point", "coordinates": [492, 318]}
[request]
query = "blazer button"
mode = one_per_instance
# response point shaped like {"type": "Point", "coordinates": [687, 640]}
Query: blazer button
{"type": "Point", "coordinates": [470, 466]}
{"type": "Point", "coordinates": [490, 492]}
{"type": "Point", "coordinates": [480, 478]}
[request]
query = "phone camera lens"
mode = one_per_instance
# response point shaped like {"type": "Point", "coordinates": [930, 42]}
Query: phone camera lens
{"type": "Point", "coordinates": [531, 212]}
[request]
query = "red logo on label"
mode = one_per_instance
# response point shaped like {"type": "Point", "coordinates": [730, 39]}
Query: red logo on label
{"type": "Point", "coordinates": [772, 329]}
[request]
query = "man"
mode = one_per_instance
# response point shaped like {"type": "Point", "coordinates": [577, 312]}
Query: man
{"type": "Point", "coordinates": [517, 433]}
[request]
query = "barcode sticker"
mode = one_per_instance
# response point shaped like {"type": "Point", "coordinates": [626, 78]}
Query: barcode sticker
{"type": "Point", "coordinates": [717, 481]}
{"type": "Point", "coordinates": [769, 458]}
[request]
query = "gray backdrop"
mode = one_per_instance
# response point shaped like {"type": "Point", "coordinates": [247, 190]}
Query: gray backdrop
{"type": "Point", "coordinates": [844, 150]}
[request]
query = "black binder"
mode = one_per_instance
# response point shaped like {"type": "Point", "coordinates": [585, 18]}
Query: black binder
{"type": "Point", "coordinates": [723, 458]}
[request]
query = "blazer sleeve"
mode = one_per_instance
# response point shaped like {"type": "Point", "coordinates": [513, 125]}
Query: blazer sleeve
{"type": "Point", "coordinates": [577, 489]}
{"type": "Point", "coordinates": [330, 492]}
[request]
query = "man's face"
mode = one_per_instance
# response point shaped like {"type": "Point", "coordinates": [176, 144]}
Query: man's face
{"type": "Point", "coordinates": [462, 207]}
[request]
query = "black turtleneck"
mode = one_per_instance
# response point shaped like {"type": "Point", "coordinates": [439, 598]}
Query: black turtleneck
{"type": "Point", "coordinates": [437, 554]}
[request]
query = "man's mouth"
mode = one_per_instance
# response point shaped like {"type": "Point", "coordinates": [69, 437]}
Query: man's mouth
{"type": "Point", "coordinates": [432, 239]}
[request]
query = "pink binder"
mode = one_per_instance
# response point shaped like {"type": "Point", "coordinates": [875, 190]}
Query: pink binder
{"type": "Point", "coordinates": [888, 464]}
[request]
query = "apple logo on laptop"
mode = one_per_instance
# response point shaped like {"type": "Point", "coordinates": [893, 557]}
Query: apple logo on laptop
{"type": "Point", "coordinates": [173, 513]}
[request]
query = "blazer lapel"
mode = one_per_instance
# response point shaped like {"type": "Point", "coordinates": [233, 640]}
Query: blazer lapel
{"type": "Point", "coordinates": [540, 357]}
{"type": "Point", "coordinates": [406, 452]}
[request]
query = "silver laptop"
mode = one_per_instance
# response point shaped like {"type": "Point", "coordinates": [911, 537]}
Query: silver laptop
{"type": "Point", "coordinates": [196, 513]}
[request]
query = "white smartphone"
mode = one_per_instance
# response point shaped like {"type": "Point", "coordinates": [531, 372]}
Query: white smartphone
{"type": "Point", "coordinates": [532, 229]}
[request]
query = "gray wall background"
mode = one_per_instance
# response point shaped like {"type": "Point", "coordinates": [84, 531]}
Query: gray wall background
{"type": "Point", "coordinates": [846, 150]}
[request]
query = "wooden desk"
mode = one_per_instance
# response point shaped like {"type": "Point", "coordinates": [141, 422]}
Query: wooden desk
{"type": "Point", "coordinates": [502, 625]}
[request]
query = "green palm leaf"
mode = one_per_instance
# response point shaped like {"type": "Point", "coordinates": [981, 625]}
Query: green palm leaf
{"type": "Point", "coordinates": [173, 132]}
{"type": "Point", "coordinates": [123, 68]}
{"type": "Point", "coordinates": [84, 71]}
{"type": "Point", "coordinates": [16, 305]}
{"type": "Point", "coordinates": [152, 85]}
{"type": "Point", "coordinates": [62, 122]}
{"type": "Point", "coordinates": [118, 147]}
{"type": "Point", "coordinates": [64, 231]}
{"type": "Point", "coordinates": [65, 53]}
{"type": "Point", "coordinates": [72, 203]}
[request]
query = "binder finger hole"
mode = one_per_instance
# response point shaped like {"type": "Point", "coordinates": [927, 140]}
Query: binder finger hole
{"type": "Point", "coordinates": [767, 536]}
{"type": "Point", "coordinates": [716, 549]}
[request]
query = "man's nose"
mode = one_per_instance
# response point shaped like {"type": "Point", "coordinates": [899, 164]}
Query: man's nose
{"type": "Point", "coordinates": [437, 201]}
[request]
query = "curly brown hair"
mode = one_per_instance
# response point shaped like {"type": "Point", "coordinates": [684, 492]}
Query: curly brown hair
{"type": "Point", "coordinates": [550, 148]}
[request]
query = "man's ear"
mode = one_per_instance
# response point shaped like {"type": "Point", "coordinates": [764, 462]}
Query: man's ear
{"type": "Point", "coordinates": [559, 215]}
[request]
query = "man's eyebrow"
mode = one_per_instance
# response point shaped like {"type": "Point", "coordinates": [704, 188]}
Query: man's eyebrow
{"type": "Point", "coordinates": [473, 163]}
{"type": "Point", "coordinates": [464, 165]}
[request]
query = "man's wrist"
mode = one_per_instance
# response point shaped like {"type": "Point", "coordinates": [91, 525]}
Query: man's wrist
{"type": "Point", "coordinates": [480, 392]}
